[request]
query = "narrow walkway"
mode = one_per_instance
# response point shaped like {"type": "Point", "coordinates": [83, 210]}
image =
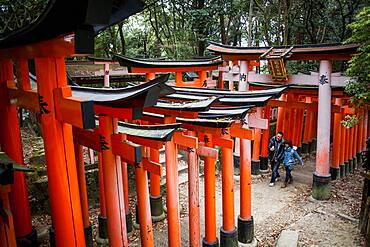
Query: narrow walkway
{"type": "Point", "coordinates": [276, 209]}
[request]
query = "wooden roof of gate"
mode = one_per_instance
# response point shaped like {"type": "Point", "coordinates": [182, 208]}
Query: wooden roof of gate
{"type": "Point", "coordinates": [136, 65]}
{"type": "Point", "coordinates": [298, 52]}
{"type": "Point", "coordinates": [84, 18]}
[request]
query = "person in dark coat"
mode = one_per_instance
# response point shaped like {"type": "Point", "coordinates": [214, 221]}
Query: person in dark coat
{"type": "Point", "coordinates": [276, 148]}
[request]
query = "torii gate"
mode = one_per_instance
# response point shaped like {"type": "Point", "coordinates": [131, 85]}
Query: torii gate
{"type": "Point", "coordinates": [324, 80]}
{"type": "Point", "coordinates": [47, 41]}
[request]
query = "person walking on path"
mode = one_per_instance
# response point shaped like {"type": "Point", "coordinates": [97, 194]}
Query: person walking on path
{"type": "Point", "coordinates": [276, 148]}
{"type": "Point", "coordinates": [290, 155]}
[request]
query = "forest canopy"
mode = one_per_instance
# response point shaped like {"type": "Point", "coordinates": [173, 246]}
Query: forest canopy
{"type": "Point", "coordinates": [181, 29]}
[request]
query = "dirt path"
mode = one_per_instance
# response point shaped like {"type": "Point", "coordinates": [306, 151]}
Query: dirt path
{"type": "Point", "coordinates": [276, 209]}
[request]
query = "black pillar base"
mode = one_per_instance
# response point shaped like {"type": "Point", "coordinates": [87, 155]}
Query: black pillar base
{"type": "Point", "coordinates": [88, 236]}
{"type": "Point", "coordinates": [228, 239]}
{"type": "Point", "coordinates": [342, 168]}
{"type": "Point", "coordinates": [129, 226]}
{"type": "Point", "coordinates": [321, 187]}
{"type": "Point", "coordinates": [207, 244]}
{"type": "Point", "coordinates": [313, 145]}
{"type": "Point", "coordinates": [245, 230]}
{"type": "Point", "coordinates": [359, 159]}
{"type": "Point", "coordinates": [264, 163]}
{"type": "Point", "coordinates": [52, 237]}
{"type": "Point", "coordinates": [136, 223]}
{"type": "Point", "coordinates": [305, 148]}
{"type": "Point", "coordinates": [236, 165]}
{"type": "Point", "coordinates": [30, 240]}
{"type": "Point", "coordinates": [335, 173]}
{"type": "Point", "coordinates": [350, 165]}
{"type": "Point", "coordinates": [255, 167]}
{"type": "Point", "coordinates": [156, 208]}
{"type": "Point", "coordinates": [299, 150]}
{"type": "Point", "coordinates": [103, 227]}
{"type": "Point", "coordinates": [354, 163]}
{"type": "Point", "coordinates": [346, 166]}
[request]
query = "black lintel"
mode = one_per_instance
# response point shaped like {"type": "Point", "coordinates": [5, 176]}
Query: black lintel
{"type": "Point", "coordinates": [138, 96]}
{"type": "Point", "coordinates": [161, 132]}
{"type": "Point", "coordinates": [159, 63]}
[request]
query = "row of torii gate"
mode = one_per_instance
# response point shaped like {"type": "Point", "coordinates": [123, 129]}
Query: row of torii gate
{"type": "Point", "coordinates": [129, 126]}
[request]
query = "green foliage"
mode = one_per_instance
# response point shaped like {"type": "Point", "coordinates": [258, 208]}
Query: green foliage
{"type": "Point", "coordinates": [15, 14]}
{"type": "Point", "coordinates": [359, 66]}
{"type": "Point", "coordinates": [350, 121]}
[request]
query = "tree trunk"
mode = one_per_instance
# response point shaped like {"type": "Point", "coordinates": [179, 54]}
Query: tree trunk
{"type": "Point", "coordinates": [201, 31]}
{"type": "Point", "coordinates": [222, 29]}
{"type": "Point", "coordinates": [122, 37]}
{"type": "Point", "coordinates": [250, 26]}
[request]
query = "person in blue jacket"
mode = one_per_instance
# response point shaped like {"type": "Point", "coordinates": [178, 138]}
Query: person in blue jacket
{"type": "Point", "coordinates": [290, 155]}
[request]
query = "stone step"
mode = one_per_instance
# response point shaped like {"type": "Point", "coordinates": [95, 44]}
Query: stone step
{"type": "Point", "coordinates": [287, 238]}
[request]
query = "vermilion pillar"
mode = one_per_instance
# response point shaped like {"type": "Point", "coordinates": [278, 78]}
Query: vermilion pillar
{"type": "Point", "coordinates": [173, 213]}
{"type": "Point", "coordinates": [149, 76]}
{"type": "Point", "coordinates": [360, 136]}
{"type": "Point", "coordinates": [366, 130]}
{"type": "Point", "coordinates": [321, 177]}
{"type": "Point", "coordinates": [334, 168]}
{"type": "Point", "coordinates": [178, 78]}
{"type": "Point", "coordinates": [256, 147]}
{"type": "Point", "coordinates": [350, 150]}
{"type": "Point", "coordinates": [10, 141]}
{"type": "Point", "coordinates": [298, 128]}
{"type": "Point", "coordinates": [116, 217]}
{"type": "Point", "coordinates": [245, 219]}
{"type": "Point", "coordinates": [306, 131]}
{"type": "Point", "coordinates": [60, 158]}
{"type": "Point", "coordinates": [281, 115]}
{"type": "Point", "coordinates": [156, 204]}
{"type": "Point", "coordinates": [228, 232]}
{"type": "Point", "coordinates": [220, 80]}
{"type": "Point", "coordinates": [102, 218]}
{"type": "Point", "coordinates": [145, 220]}
{"type": "Point", "coordinates": [265, 140]}
{"type": "Point", "coordinates": [7, 234]}
{"type": "Point", "coordinates": [243, 86]}
{"type": "Point", "coordinates": [210, 238]}
{"type": "Point", "coordinates": [202, 77]}
{"type": "Point", "coordinates": [106, 75]}
{"type": "Point", "coordinates": [342, 149]}
{"type": "Point", "coordinates": [194, 210]}
{"type": "Point", "coordinates": [80, 164]}
{"type": "Point", "coordinates": [313, 131]}
{"type": "Point", "coordinates": [129, 222]}
{"type": "Point", "coordinates": [346, 152]}
{"type": "Point", "coordinates": [354, 148]}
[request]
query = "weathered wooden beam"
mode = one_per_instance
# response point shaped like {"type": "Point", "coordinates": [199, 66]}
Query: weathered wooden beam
{"type": "Point", "coordinates": [208, 152]}
{"type": "Point", "coordinates": [130, 152]}
{"type": "Point", "coordinates": [223, 142]}
{"type": "Point", "coordinates": [306, 80]}
{"type": "Point", "coordinates": [88, 138]}
{"type": "Point", "coordinates": [146, 142]}
{"type": "Point", "coordinates": [27, 99]}
{"type": "Point", "coordinates": [74, 111]}
{"type": "Point", "coordinates": [184, 140]}
{"type": "Point", "coordinates": [152, 166]}
{"type": "Point", "coordinates": [236, 130]}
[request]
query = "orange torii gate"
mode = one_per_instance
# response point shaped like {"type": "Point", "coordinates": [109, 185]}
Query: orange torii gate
{"type": "Point", "coordinates": [324, 81]}
{"type": "Point", "coordinates": [46, 42]}
{"type": "Point", "coordinates": [150, 67]}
